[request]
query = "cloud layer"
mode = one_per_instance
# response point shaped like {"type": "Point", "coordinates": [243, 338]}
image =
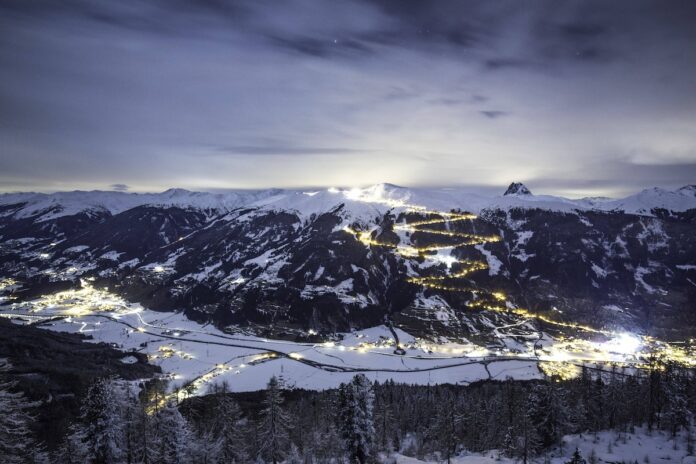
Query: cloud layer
{"type": "Point", "coordinates": [578, 98]}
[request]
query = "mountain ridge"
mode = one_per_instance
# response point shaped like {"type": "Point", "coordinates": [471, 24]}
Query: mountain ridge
{"type": "Point", "coordinates": [53, 205]}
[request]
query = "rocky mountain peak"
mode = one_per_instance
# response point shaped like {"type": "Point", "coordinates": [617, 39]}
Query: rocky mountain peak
{"type": "Point", "coordinates": [517, 188]}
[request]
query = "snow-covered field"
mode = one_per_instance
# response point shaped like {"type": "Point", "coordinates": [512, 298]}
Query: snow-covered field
{"type": "Point", "coordinates": [611, 447]}
{"type": "Point", "coordinates": [193, 355]}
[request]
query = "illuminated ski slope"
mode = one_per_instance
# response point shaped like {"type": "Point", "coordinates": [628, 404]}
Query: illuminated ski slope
{"type": "Point", "coordinates": [489, 300]}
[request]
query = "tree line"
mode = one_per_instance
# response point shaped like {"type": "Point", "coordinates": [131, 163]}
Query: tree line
{"type": "Point", "coordinates": [120, 423]}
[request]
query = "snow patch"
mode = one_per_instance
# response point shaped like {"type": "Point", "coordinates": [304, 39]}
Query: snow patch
{"type": "Point", "coordinates": [494, 264]}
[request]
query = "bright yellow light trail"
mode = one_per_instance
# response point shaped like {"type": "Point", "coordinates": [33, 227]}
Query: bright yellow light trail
{"type": "Point", "coordinates": [469, 266]}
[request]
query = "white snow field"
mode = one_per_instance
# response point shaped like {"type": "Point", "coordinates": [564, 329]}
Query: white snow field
{"type": "Point", "coordinates": [194, 355]}
{"type": "Point", "coordinates": [610, 447]}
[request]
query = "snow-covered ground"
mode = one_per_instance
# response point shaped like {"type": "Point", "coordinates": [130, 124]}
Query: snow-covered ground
{"type": "Point", "coordinates": [189, 352]}
{"type": "Point", "coordinates": [193, 355]}
{"type": "Point", "coordinates": [611, 447]}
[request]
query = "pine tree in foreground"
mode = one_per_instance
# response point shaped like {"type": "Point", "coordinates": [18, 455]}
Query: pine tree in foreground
{"type": "Point", "coordinates": [386, 430]}
{"type": "Point", "coordinates": [72, 450]}
{"type": "Point", "coordinates": [576, 458]}
{"type": "Point", "coordinates": [132, 442]}
{"type": "Point", "coordinates": [548, 412]}
{"type": "Point", "coordinates": [225, 440]}
{"type": "Point", "coordinates": [102, 427]}
{"type": "Point", "coordinates": [294, 456]}
{"type": "Point", "coordinates": [174, 439]}
{"type": "Point", "coordinates": [677, 415]}
{"type": "Point", "coordinates": [356, 421]}
{"type": "Point", "coordinates": [444, 430]}
{"type": "Point", "coordinates": [275, 423]}
{"type": "Point", "coordinates": [16, 438]}
{"type": "Point", "coordinates": [328, 445]}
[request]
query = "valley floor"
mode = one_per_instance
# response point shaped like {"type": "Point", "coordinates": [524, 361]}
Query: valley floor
{"type": "Point", "coordinates": [193, 356]}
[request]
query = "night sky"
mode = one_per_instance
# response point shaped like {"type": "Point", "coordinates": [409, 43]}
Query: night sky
{"type": "Point", "coordinates": [572, 98]}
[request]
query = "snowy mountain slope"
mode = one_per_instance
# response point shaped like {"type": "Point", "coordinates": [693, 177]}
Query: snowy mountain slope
{"type": "Point", "coordinates": [445, 199]}
{"type": "Point", "coordinates": [306, 204]}
{"type": "Point", "coordinates": [646, 201]}
{"type": "Point", "coordinates": [337, 259]}
{"type": "Point", "coordinates": [44, 207]}
{"type": "Point", "coordinates": [360, 202]}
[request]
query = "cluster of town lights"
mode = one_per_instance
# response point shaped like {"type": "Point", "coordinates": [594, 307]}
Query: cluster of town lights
{"type": "Point", "coordinates": [7, 283]}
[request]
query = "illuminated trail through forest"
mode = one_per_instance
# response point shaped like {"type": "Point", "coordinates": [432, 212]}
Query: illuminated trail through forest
{"type": "Point", "coordinates": [488, 300]}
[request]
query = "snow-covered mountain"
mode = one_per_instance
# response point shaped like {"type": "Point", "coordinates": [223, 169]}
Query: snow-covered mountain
{"type": "Point", "coordinates": [361, 201]}
{"type": "Point", "coordinates": [333, 259]}
{"type": "Point", "coordinates": [42, 206]}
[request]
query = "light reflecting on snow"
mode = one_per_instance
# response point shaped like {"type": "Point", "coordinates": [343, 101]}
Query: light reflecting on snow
{"type": "Point", "coordinates": [624, 343]}
{"type": "Point", "coordinates": [193, 355]}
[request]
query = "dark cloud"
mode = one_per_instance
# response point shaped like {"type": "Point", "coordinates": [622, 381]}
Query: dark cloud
{"type": "Point", "coordinates": [494, 114]}
{"type": "Point", "coordinates": [582, 30]}
{"type": "Point", "coordinates": [479, 99]}
{"type": "Point", "coordinates": [284, 150]}
{"type": "Point", "coordinates": [450, 23]}
{"type": "Point", "coordinates": [448, 101]}
{"type": "Point", "coordinates": [322, 47]}
{"type": "Point", "coordinates": [119, 187]}
{"type": "Point", "coordinates": [507, 63]}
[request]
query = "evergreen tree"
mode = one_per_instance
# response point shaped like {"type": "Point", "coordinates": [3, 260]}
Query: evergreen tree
{"type": "Point", "coordinates": [654, 392]}
{"type": "Point", "coordinates": [174, 438]}
{"type": "Point", "coordinates": [145, 446]}
{"type": "Point", "coordinates": [385, 429]}
{"type": "Point", "coordinates": [444, 430]}
{"type": "Point", "coordinates": [16, 438]}
{"type": "Point", "coordinates": [548, 413]}
{"type": "Point", "coordinates": [356, 401]}
{"type": "Point", "coordinates": [328, 445]}
{"type": "Point", "coordinates": [510, 442]}
{"type": "Point", "coordinates": [275, 423]}
{"type": "Point", "coordinates": [614, 400]}
{"type": "Point", "coordinates": [102, 427]}
{"type": "Point", "coordinates": [677, 414]}
{"type": "Point", "coordinates": [228, 432]}
{"type": "Point", "coordinates": [72, 450]}
{"type": "Point", "coordinates": [294, 456]}
{"type": "Point", "coordinates": [576, 458]}
{"type": "Point", "coordinates": [528, 441]}
{"type": "Point", "coordinates": [131, 440]}
{"type": "Point", "coordinates": [595, 405]}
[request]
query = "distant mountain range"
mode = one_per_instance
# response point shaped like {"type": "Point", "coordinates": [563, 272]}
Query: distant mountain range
{"type": "Point", "coordinates": [438, 262]}
{"type": "Point", "coordinates": [43, 206]}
